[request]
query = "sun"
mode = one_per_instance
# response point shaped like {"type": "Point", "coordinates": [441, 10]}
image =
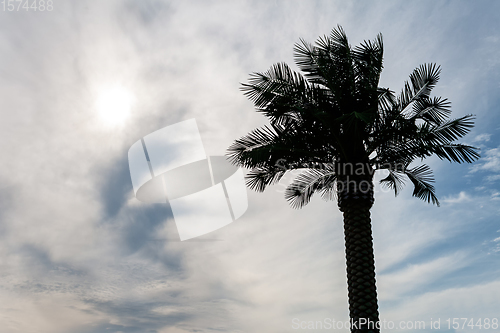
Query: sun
{"type": "Point", "coordinates": [113, 105]}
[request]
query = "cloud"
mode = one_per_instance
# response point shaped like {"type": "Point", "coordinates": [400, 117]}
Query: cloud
{"type": "Point", "coordinates": [460, 198]}
{"type": "Point", "coordinates": [493, 178]}
{"type": "Point", "coordinates": [478, 301]}
{"type": "Point", "coordinates": [416, 276]}
{"type": "Point", "coordinates": [489, 163]}
{"type": "Point", "coordinates": [485, 137]}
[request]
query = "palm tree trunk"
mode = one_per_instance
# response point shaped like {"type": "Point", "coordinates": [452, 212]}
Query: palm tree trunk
{"type": "Point", "coordinates": [362, 293]}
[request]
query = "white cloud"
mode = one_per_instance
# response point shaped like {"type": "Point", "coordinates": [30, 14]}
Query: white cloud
{"type": "Point", "coordinates": [460, 198]}
{"type": "Point", "coordinates": [492, 160]}
{"type": "Point", "coordinates": [476, 301]}
{"type": "Point", "coordinates": [493, 178]}
{"type": "Point", "coordinates": [490, 163]}
{"type": "Point", "coordinates": [482, 137]}
{"type": "Point", "coordinates": [393, 286]}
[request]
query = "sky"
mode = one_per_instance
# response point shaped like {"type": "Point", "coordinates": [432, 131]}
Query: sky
{"type": "Point", "coordinates": [80, 254]}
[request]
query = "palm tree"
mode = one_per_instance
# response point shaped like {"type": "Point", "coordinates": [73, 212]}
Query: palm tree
{"type": "Point", "coordinates": [337, 126]}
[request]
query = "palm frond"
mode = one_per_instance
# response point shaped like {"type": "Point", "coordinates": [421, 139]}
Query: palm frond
{"type": "Point", "coordinates": [329, 191]}
{"type": "Point", "coordinates": [259, 178]}
{"type": "Point", "coordinates": [286, 97]}
{"type": "Point", "coordinates": [422, 80]}
{"type": "Point", "coordinates": [300, 191]}
{"type": "Point", "coordinates": [386, 100]}
{"type": "Point", "coordinates": [253, 149]}
{"type": "Point", "coordinates": [279, 80]}
{"type": "Point", "coordinates": [421, 177]}
{"type": "Point", "coordinates": [410, 141]}
{"type": "Point", "coordinates": [434, 110]}
{"type": "Point", "coordinates": [396, 148]}
{"type": "Point", "coordinates": [305, 55]}
{"type": "Point", "coordinates": [278, 91]}
{"type": "Point", "coordinates": [328, 62]}
{"type": "Point", "coordinates": [394, 181]}
{"type": "Point", "coordinates": [368, 59]}
{"type": "Point", "coordinates": [459, 153]}
{"type": "Point", "coordinates": [339, 37]}
{"type": "Point", "coordinates": [448, 131]}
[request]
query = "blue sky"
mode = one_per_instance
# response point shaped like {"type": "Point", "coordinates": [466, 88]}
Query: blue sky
{"type": "Point", "coordinates": [79, 254]}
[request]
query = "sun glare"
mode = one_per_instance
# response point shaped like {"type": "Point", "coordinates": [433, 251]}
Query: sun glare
{"type": "Point", "coordinates": [113, 105]}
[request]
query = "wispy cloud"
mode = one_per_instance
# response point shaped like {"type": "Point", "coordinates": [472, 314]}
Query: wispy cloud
{"type": "Point", "coordinates": [485, 137]}
{"type": "Point", "coordinates": [460, 198]}
{"type": "Point", "coordinates": [489, 164]}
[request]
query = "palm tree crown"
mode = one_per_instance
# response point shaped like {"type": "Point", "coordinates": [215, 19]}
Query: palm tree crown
{"type": "Point", "coordinates": [336, 114]}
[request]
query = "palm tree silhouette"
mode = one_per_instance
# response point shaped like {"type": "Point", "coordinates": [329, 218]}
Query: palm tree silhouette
{"type": "Point", "coordinates": [339, 127]}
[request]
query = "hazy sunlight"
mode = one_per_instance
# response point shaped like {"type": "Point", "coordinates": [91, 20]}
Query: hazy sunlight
{"type": "Point", "coordinates": [113, 105]}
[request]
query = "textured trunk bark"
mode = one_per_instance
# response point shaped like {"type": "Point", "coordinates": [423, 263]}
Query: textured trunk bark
{"type": "Point", "coordinates": [355, 201]}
